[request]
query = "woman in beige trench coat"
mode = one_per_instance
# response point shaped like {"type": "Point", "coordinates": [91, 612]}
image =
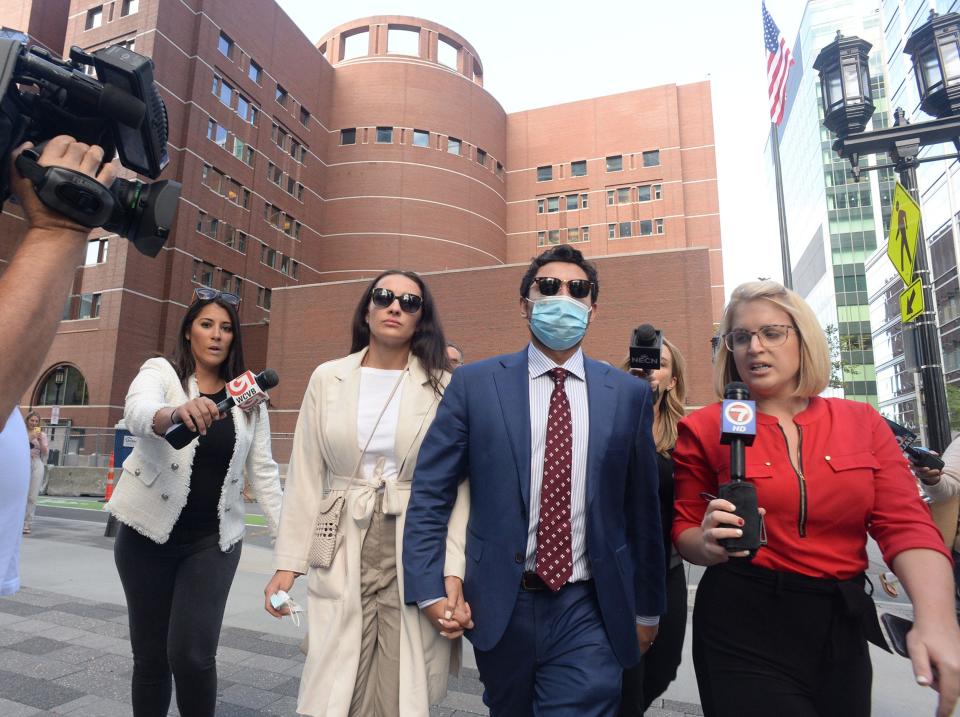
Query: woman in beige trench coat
{"type": "Point", "coordinates": [359, 430]}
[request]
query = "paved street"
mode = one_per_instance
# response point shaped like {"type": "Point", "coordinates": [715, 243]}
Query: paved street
{"type": "Point", "coordinates": [64, 645]}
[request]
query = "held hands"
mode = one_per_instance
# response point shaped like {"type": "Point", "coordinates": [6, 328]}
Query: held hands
{"type": "Point", "coordinates": [720, 522]}
{"type": "Point", "coordinates": [935, 654]}
{"type": "Point", "coordinates": [451, 616]}
{"type": "Point", "coordinates": [281, 580]}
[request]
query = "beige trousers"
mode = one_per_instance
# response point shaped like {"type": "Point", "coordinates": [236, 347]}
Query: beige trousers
{"type": "Point", "coordinates": [36, 482]}
{"type": "Point", "coordinates": [376, 692]}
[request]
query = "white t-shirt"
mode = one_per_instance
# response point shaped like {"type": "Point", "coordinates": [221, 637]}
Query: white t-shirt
{"type": "Point", "coordinates": [375, 386]}
{"type": "Point", "coordinates": [14, 485]}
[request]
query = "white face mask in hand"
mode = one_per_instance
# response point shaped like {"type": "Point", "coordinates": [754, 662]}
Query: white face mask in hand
{"type": "Point", "coordinates": [281, 599]}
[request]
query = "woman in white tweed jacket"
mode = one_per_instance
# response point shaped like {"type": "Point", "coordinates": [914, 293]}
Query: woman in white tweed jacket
{"type": "Point", "coordinates": [182, 511]}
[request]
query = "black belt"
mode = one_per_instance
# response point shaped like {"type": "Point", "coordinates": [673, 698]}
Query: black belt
{"type": "Point", "coordinates": [532, 583]}
{"type": "Point", "coordinates": [856, 609]}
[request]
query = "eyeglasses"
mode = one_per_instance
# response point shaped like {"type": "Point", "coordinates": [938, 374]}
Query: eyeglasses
{"type": "Point", "coordinates": [204, 293]}
{"type": "Point", "coordinates": [409, 303]}
{"type": "Point", "coordinates": [770, 336]}
{"type": "Point", "coordinates": [550, 286]}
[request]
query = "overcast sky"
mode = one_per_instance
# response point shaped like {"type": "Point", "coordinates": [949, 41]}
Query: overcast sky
{"type": "Point", "coordinates": [538, 53]}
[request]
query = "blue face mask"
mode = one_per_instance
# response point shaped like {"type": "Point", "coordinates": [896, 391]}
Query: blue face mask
{"type": "Point", "coordinates": [559, 322]}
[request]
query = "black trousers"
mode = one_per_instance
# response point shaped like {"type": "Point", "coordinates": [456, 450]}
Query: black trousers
{"type": "Point", "coordinates": [658, 668]}
{"type": "Point", "coordinates": [761, 648]}
{"type": "Point", "coordinates": [176, 595]}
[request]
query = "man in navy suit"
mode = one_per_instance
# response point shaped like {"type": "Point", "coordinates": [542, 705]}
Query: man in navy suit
{"type": "Point", "coordinates": [564, 572]}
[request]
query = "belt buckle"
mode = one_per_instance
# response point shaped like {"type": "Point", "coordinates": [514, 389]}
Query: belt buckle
{"type": "Point", "coordinates": [535, 584]}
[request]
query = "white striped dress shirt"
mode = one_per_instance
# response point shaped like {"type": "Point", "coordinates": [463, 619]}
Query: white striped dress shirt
{"type": "Point", "coordinates": [541, 387]}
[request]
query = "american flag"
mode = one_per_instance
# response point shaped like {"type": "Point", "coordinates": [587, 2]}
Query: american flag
{"type": "Point", "coordinates": [778, 65]}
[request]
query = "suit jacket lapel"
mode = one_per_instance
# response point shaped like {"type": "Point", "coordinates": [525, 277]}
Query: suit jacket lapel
{"type": "Point", "coordinates": [341, 401]}
{"type": "Point", "coordinates": [602, 402]}
{"type": "Point", "coordinates": [416, 399]}
{"type": "Point", "coordinates": [513, 390]}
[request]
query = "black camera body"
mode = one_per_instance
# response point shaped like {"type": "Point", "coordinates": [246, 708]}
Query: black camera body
{"type": "Point", "coordinates": [645, 346]}
{"type": "Point", "coordinates": [121, 111]}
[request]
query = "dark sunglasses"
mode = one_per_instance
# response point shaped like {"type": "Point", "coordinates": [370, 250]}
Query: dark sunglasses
{"type": "Point", "coordinates": [204, 293]}
{"type": "Point", "coordinates": [409, 303]}
{"type": "Point", "coordinates": [550, 286]}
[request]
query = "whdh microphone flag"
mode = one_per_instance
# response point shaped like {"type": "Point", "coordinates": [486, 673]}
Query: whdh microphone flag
{"type": "Point", "coordinates": [738, 428]}
{"type": "Point", "coordinates": [246, 391]}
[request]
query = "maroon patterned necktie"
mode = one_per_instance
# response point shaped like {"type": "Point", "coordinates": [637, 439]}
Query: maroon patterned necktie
{"type": "Point", "coordinates": [554, 541]}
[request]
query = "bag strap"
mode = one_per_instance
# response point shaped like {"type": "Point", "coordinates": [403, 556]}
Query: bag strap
{"type": "Point", "coordinates": [375, 426]}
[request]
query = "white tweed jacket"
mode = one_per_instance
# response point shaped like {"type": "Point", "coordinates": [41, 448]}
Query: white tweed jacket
{"type": "Point", "coordinates": [153, 487]}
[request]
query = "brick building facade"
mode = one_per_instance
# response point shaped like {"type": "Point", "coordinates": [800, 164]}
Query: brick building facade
{"type": "Point", "coordinates": [307, 167]}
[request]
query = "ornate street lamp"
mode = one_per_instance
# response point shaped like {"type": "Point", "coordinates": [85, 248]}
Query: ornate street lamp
{"type": "Point", "coordinates": [844, 67]}
{"type": "Point", "coordinates": [934, 50]}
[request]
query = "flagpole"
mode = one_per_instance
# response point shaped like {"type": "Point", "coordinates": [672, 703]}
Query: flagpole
{"type": "Point", "coordinates": [781, 210]}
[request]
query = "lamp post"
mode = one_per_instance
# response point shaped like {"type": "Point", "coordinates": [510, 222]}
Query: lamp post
{"type": "Point", "coordinates": [934, 49]}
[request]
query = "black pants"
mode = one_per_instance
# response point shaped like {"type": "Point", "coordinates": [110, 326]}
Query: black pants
{"type": "Point", "coordinates": [176, 595]}
{"type": "Point", "coordinates": [658, 668]}
{"type": "Point", "coordinates": [761, 649]}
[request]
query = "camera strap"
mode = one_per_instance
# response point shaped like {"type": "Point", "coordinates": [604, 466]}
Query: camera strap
{"type": "Point", "coordinates": [75, 195]}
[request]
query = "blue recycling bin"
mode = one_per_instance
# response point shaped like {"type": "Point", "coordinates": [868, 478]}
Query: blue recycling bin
{"type": "Point", "coordinates": [123, 443]}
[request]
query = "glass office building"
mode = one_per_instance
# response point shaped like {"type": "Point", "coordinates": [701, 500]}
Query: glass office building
{"type": "Point", "coordinates": [897, 386]}
{"type": "Point", "coordinates": [834, 223]}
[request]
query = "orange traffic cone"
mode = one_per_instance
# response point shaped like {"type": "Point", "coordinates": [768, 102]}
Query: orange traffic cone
{"type": "Point", "coordinates": [108, 492]}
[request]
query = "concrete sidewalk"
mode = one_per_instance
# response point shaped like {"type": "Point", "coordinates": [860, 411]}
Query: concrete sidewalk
{"type": "Point", "coordinates": [64, 645]}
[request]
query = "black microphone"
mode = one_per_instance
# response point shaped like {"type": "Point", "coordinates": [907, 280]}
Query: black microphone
{"type": "Point", "coordinates": [645, 346]}
{"type": "Point", "coordinates": [246, 391]}
{"type": "Point", "coordinates": [738, 428]}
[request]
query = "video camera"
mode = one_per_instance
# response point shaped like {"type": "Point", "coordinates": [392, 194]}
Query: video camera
{"type": "Point", "coordinates": [645, 346]}
{"type": "Point", "coordinates": [121, 111]}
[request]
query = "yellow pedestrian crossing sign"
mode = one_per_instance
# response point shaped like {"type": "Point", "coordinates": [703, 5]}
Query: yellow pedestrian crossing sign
{"type": "Point", "coordinates": [902, 241]}
{"type": "Point", "coordinates": [911, 301]}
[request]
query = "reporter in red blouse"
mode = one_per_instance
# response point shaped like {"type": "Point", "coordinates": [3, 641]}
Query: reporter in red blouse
{"type": "Point", "coordinates": [786, 633]}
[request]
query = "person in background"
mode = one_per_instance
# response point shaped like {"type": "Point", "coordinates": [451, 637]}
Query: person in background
{"type": "Point", "coordinates": [658, 668]}
{"type": "Point", "coordinates": [39, 449]}
{"type": "Point", "coordinates": [45, 260]}
{"type": "Point", "coordinates": [181, 511]}
{"type": "Point", "coordinates": [358, 435]}
{"type": "Point", "coordinates": [943, 488]}
{"type": "Point", "coordinates": [454, 355]}
{"type": "Point", "coordinates": [786, 633]}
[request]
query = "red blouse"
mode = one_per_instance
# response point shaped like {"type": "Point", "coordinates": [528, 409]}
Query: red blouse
{"type": "Point", "coordinates": [852, 480]}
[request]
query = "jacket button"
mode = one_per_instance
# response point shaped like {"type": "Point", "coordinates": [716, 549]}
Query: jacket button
{"type": "Point", "coordinates": [165, 496]}
{"type": "Point", "coordinates": [136, 472]}
{"type": "Point", "coordinates": [174, 466]}
{"type": "Point", "coordinates": [518, 557]}
{"type": "Point", "coordinates": [827, 457]}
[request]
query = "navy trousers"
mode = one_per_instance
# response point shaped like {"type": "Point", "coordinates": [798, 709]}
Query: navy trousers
{"type": "Point", "coordinates": [554, 660]}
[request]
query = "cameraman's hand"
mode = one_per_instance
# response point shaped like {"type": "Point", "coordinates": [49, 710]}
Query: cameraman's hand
{"type": "Point", "coordinates": [61, 151]}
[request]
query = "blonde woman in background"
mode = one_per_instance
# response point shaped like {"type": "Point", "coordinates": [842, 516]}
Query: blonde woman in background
{"type": "Point", "coordinates": [39, 450]}
{"type": "Point", "coordinates": [658, 668]}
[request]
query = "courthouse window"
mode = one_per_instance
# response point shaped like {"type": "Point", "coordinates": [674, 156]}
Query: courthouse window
{"type": "Point", "coordinates": [578, 169]}
{"type": "Point", "coordinates": [129, 7]}
{"type": "Point", "coordinates": [623, 195]}
{"type": "Point", "coordinates": [646, 227]}
{"type": "Point", "coordinates": [651, 158]}
{"type": "Point", "coordinates": [385, 135]}
{"type": "Point", "coordinates": [545, 174]}
{"type": "Point", "coordinates": [453, 145]}
{"type": "Point", "coordinates": [255, 72]}
{"type": "Point", "coordinates": [421, 138]}
{"type": "Point", "coordinates": [225, 45]}
{"type": "Point", "coordinates": [481, 156]}
{"type": "Point", "coordinates": [96, 252]}
{"type": "Point", "coordinates": [348, 136]}
{"type": "Point", "coordinates": [572, 201]}
{"type": "Point", "coordinates": [94, 17]}
{"type": "Point", "coordinates": [643, 193]}
{"type": "Point", "coordinates": [615, 163]}
{"type": "Point", "coordinates": [553, 204]}
{"type": "Point", "coordinates": [625, 229]}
